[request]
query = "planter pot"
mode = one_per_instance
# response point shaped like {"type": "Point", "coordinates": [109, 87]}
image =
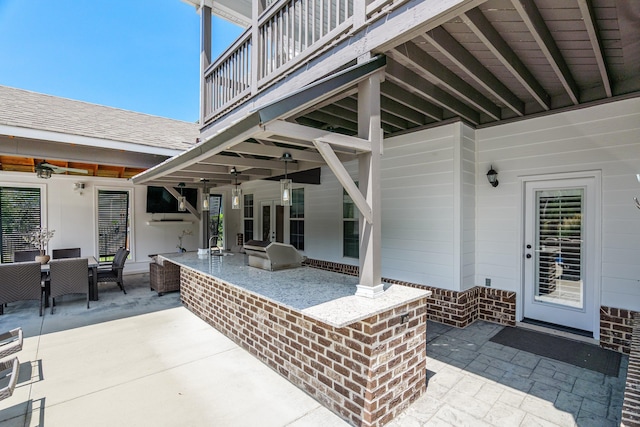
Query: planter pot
{"type": "Point", "coordinates": [43, 259]}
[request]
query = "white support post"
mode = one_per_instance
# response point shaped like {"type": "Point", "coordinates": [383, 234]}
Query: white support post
{"type": "Point", "coordinates": [256, 45]}
{"type": "Point", "coordinates": [369, 127]}
{"type": "Point", "coordinates": [205, 56]}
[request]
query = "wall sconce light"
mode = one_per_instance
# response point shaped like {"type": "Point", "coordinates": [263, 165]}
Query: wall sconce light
{"type": "Point", "coordinates": [492, 176]}
{"type": "Point", "coordinates": [236, 192]}
{"type": "Point", "coordinates": [182, 201]}
{"type": "Point", "coordinates": [78, 187]}
{"type": "Point", "coordinates": [205, 194]}
{"type": "Point", "coordinates": [285, 184]}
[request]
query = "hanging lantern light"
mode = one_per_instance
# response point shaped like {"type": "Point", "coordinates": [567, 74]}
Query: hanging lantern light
{"type": "Point", "coordinates": [182, 200]}
{"type": "Point", "coordinates": [205, 194]}
{"type": "Point", "coordinates": [236, 192]}
{"type": "Point", "coordinates": [286, 184]}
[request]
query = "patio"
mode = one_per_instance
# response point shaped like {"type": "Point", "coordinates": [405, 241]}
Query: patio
{"type": "Point", "coordinates": [140, 359]}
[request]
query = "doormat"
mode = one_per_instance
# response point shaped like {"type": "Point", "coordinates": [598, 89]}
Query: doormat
{"type": "Point", "coordinates": [566, 350]}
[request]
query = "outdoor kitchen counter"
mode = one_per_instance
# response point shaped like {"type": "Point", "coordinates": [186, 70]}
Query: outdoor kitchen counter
{"type": "Point", "coordinates": [362, 358]}
{"type": "Point", "coordinates": [324, 295]}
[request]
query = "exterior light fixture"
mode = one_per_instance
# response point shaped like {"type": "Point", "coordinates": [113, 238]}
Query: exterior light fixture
{"type": "Point", "coordinates": [492, 176]}
{"type": "Point", "coordinates": [182, 201]}
{"type": "Point", "coordinates": [236, 192]}
{"type": "Point", "coordinates": [205, 194]}
{"type": "Point", "coordinates": [285, 184]}
{"type": "Point", "coordinates": [43, 172]}
{"type": "Point", "coordinates": [78, 187]}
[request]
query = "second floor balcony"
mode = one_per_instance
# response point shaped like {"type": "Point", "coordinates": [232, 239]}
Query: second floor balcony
{"type": "Point", "coordinates": [281, 36]}
{"type": "Point", "coordinates": [481, 61]}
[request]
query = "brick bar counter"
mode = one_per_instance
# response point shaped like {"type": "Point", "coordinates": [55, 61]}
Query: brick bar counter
{"type": "Point", "coordinates": [362, 358]}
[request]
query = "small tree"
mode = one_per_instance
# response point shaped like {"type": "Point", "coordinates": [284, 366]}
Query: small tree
{"type": "Point", "coordinates": [39, 238]}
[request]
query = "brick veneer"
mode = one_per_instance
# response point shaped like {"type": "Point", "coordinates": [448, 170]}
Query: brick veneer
{"type": "Point", "coordinates": [456, 308]}
{"type": "Point", "coordinates": [366, 372]}
{"type": "Point", "coordinates": [631, 404]}
{"type": "Point", "coordinates": [616, 328]}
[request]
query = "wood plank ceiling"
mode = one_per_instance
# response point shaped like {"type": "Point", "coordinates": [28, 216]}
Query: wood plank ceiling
{"type": "Point", "coordinates": [28, 164]}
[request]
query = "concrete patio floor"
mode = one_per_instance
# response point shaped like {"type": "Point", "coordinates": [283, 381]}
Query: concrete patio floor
{"type": "Point", "coordinates": [141, 360]}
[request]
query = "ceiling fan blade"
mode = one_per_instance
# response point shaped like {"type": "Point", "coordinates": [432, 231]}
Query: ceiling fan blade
{"type": "Point", "coordinates": [61, 169]}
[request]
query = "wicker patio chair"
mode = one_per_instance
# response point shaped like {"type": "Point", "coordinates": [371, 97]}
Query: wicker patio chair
{"type": "Point", "coordinates": [65, 253]}
{"type": "Point", "coordinates": [68, 276]}
{"type": "Point", "coordinates": [25, 256]}
{"type": "Point", "coordinates": [8, 377]}
{"type": "Point", "coordinates": [164, 277]}
{"type": "Point", "coordinates": [20, 282]}
{"type": "Point", "coordinates": [10, 342]}
{"type": "Point", "coordinates": [113, 273]}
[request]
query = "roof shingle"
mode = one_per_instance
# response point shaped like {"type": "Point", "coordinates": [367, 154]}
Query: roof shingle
{"type": "Point", "coordinates": [32, 110]}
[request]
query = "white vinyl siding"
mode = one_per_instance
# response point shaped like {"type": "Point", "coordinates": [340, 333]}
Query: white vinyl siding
{"type": "Point", "coordinates": [418, 207]}
{"type": "Point", "coordinates": [601, 138]}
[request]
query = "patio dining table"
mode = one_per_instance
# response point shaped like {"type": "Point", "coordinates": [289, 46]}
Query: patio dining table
{"type": "Point", "coordinates": [93, 284]}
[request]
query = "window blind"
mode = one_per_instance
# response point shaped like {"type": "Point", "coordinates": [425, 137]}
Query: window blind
{"type": "Point", "coordinates": [560, 237]}
{"type": "Point", "coordinates": [20, 212]}
{"type": "Point", "coordinates": [113, 221]}
{"type": "Point", "coordinates": [296, 215]}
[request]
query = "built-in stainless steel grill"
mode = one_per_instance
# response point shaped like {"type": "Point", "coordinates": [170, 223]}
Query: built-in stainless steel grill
{"type": "Point", "coordinates": [272, 255]}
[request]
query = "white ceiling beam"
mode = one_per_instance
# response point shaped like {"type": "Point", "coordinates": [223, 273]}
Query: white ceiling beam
{"type": "Point", "coordinates": [386, 117]}
{"type": "Point", "coordinates": [408, 99]}
{"type": "Point", "coordinates": [589, 19]}
{"type": "Point", "coordinates": [456, 53]}
{"type": "Point", "coordinates": [401, 110]}
{"type": "Point", "coordinates": [248, 162]}
{"type": "Point", "coordinates": [275, 151]}
{"type": "Point", "coordinates": [411, 55]}
{"type": "Point", "coordinates": [488, 35]}
{"type": "Point", "coordinates": [329, 101]}
{"type": "Point", "coordinates": [530, 14]}
{"type": "Point", "coordinates": [305, 133]}
{"type": "Point", "coordinates": [333, 120]}
{"type": "Point", "coordinates": [413, 82]}
{"type": "Point", "coordinates": [344, 178]}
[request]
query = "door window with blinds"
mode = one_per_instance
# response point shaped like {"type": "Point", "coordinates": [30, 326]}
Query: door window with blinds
{"type": "Point", "coordinates": [20, 212]}
{"type": "Point", "coordinates": [113, 222]}
{"type": "Point", "coordinates": [559, 226]}
{"type": "Point", "coordinates": [350, 224]}
{"type": "Point", "coordinates": [296, 219]}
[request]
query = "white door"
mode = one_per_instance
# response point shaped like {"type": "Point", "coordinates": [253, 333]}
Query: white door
{"type": "Point", "coordinates": [272, 222]}
{"type": "Point", "coordinates": [559, 252]}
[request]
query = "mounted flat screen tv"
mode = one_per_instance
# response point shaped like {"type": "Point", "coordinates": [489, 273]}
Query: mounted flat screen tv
{"type": "Point", "coordinates": [160, 200]}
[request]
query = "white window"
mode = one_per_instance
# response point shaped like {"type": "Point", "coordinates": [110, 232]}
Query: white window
{"type": "Point", "coordinates": [20, 213]}
{"type": "Point", "coordinates": [113, 222]}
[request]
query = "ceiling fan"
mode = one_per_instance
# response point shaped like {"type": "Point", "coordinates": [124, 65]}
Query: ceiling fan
{"type": "Point", "coordinates": [44, 170]}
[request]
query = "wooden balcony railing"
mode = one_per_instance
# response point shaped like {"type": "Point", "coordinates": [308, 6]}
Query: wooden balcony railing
{"type": "Point", "coordinates": [286, 34]}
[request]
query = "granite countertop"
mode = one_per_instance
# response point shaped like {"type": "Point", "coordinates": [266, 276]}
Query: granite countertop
{"type": "Point", "coordinates": [324, 295]}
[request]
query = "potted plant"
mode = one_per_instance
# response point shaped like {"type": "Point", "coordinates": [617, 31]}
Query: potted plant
{"type": "Point", "coordinates": [179, 245]}
{"type": "Point", "coordinates": [39, 238]}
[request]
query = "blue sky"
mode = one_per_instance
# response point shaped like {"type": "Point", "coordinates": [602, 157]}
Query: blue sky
{"type": "Point", "coordinates": [138, 55]}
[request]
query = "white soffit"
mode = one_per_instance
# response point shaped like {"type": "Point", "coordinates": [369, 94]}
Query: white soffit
{"type": "Point", "coordinates": [45, 135]}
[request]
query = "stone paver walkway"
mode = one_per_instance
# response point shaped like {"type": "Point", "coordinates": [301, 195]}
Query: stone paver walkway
{"type": "Point", "coordinates": [475, 382]}
{"type": "Point", "coordinates": [140, 359]}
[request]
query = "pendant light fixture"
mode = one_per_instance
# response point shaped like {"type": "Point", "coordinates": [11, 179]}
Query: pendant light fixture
{"type": "Point", "coordinates": [182, 201]}
{"type": "Point", "coordinates": [205, 194]}
{"type": "Point", "coordinates": [236, 192]}
{"type": "Point", "coordinates": [285, 184]}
